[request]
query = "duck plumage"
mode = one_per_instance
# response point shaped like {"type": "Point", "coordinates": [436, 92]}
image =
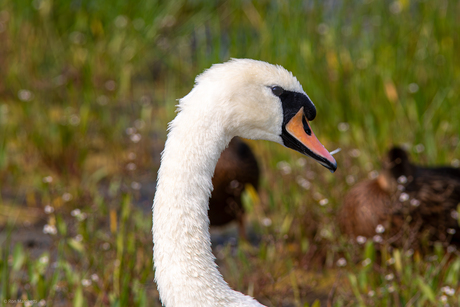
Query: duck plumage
{"type": "Point", "coordinates": [425, 199]}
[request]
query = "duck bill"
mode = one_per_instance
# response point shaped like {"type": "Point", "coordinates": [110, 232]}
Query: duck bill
{"type": "Point", "coordinates": [298, 135]}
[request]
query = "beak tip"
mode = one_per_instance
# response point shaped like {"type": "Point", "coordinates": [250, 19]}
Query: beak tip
{"type": "Point", "coordinates": [330, 163]}
{"type": "Point", "coordinates": [332, 166]}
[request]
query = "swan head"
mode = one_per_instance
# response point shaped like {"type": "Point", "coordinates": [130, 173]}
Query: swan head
{"type": "Point", "coordinates": [258, 100]}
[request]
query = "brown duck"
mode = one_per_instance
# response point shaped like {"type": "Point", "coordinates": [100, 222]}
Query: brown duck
{"type": "Point", "coordinates": [407, 200]}
{"type": "Point", "coordinates": [237, 166]}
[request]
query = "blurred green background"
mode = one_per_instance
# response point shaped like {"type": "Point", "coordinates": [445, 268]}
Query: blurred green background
{"type": "Point", "coordinates": [87, 89]}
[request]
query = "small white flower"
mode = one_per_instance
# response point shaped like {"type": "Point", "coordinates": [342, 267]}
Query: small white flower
{"type": "Point", "coordinates": [454, 214]}
{"type": "Point", "coordinates": [136, 185]}
{"type": "Point", "coordinates": [395, 7]}
{"type": "Point", "coordinates": [343, 126]}
{"type": "Point", "coordinates": [132, 156]}
{"type": "Point", "coordinates": [379, 228]}
{"type": "Point", "coordinates": [94, 277]}
{"type": "Point", "coordinates": [121, 21]}
{"type": "Point", "coordinates": [86, 282]}
{"type": "Point", "coordinates": [102, 100]}
{"type": "Point", "coordinates": [78, 238]}
{"type": "Point", "coordinates": [361, 239]}
{"type": "Point", "coordinates": [390, 276]}
{"type": "Point", "coordinates": [413, 87]}
{"type": "Point", "coordinates": [284, 167]}
{"type": "Point", "coordinates": [135, 138]}
{"type": "Point", "coordinates": [130, 130]}
{"type": "Point", "coordinates": [47, 179]}
{"type": "Point", "coordinates": [350, 180]}
{"type": "Point", "coordinates": [341, 262]}
{"type": "Point", "coordinates": [42, 303]}
{"type": "Point", "coordinates": [139, 124]}
{"type": "Point", "coordinates": [402, 179]}
{"type": "Point", "coordinates": [366, 262]}
{"type": "Point", "coordinates": [110, 85]}
{"type": "Point", "coordinates": [391, 261]}
{"type": "Point", "coordinates": [403, 197]}
{"type": "Point", "coordinates": [25, 95]}
{"type": "Point", "coordinates": [304, 183]}
{"type": "Point", "coordinates": [443, 299]}
{"type": "Point", "coordinates": [419, 148]}
{"type": "Point", "coordinates": [391, 289]}
{"type": "Point", "coordinates": [377, 239]}
{"type": "Point", "coordinates": [455, 163]}
{"type": "Point", "coordinates": [75, 212]}
{"type": "Point", "coordinates": [131, 166]}
{"type": "Point", "coordinates": [409, 252]}
{"type": "Point", "coordinates": [373, 174]}
{"type": "Point", "coordinates": [44, 259]}
{"type": "Point", "coordinates": [266, 222]}
{"type": "Point", "coordinates": [448, 290]}
{"type": "Point", "coordinates": [66, 197]}
{"type": "Point", "coordinates": [401, 188]}
{"type": "Point", "coordinates": [451, 249]}
{"type": "Point", "coordinates": [371, 293]}
{"type": "Point", "coordinates": [451, 231]}
{"type": "Point", "coordinates": [415, 202]}
{"type": "Point", "coordinates": [74, 120]}
{"type": "Point", "coordinates": [301, 162]}
{"type": "Point", "coordinates": [49, 229]}
{"type": "Point", "coordinates": [355, 153]}
{"type": "Point", "coordinates": [324, 202]}
{"type": "Point", "coordinates": [324, 233]}
{"type": "Point", "coordinates": [48, 209]}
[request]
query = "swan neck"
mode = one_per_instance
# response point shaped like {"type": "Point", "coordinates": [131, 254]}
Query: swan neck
{"type": "Point", "coordinates": [185, 270]}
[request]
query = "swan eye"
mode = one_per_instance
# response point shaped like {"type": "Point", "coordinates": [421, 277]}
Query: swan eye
{"type": "Point", "coordinates": [277, 90]}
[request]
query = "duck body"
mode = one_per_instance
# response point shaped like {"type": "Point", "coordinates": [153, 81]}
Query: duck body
{"type": "Point", "coordinates": [236, 167]}
{"type": "Point", "coordinates": [423, 198]}
{"type": "Point", "coordinates": [365, 206]}
{"type": "Point", "coordinates": [242, 97]}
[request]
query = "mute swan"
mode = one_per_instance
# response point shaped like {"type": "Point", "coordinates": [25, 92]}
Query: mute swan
{"type": "Point", "coordinates": [242, 97]}
{"type": "Point", "coordinates": [428, 195]}
{"type": "Point", "coordinates": [236, 167]}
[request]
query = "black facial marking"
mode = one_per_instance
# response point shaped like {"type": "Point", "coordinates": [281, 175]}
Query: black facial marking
{"type": "Point", "coordinates": [305, 126]}
{"type": "Point", "coordinates": [292, 102]}
{"type": "Point", "coordinates": [277, 90]}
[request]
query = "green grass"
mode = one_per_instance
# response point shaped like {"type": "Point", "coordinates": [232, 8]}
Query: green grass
{"type": "Point", "coordinates": [87, 87]}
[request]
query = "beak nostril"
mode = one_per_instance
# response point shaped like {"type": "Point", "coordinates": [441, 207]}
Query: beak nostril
{"type": "Point", "coordinates": [306, 127]}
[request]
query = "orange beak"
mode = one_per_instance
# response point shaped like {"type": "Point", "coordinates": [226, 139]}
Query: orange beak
{"type": "Point", "coordinates": [299, 128]}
